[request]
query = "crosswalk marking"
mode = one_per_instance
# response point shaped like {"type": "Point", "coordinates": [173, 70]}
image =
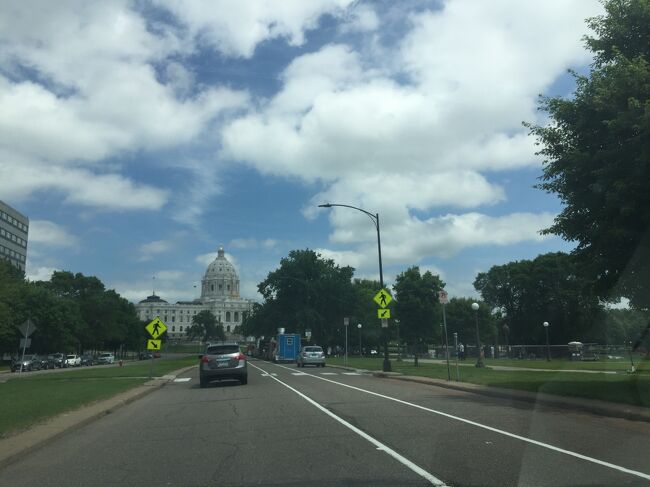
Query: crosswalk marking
{"type": "Point", "coordinates": [298, 373]}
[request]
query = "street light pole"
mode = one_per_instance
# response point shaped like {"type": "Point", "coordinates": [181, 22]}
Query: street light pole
{"type": "Point", "coordinates": [375, 220]}
{"type": "Point", "coordinates": [399, 344]}
{"type": "Point", "coordinates": [479, 360]}
{"type": "Point", "coordinates": [360, 349]}
{"type": "Point", "coordinates": [548, 347]}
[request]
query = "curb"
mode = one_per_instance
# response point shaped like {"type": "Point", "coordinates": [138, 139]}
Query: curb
{"type": "Point", "coordinates": [39, 435]}
{"type": "Point", "coordinates": [593, 406]}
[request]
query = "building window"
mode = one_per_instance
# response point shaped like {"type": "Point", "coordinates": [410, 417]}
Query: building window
{"type": "Point", "coordinates": [173, 328]}
{"type": "Point", "coordinates": [227, 316]}
{"type": "Point", "coordinates": [228, 287]}
{"type": "Point", "coordinates": [236, 320]}
{"type": "Point", "coordinates": [173, 319]}
{"type": "Point", "coordinates": [212, 287]}
{"type": "Point", "coordinates": [228, 328]}
{"type": "Point", "coordinates": [181, 328]}
{"type": "Point", "coordinates": [220, 287]}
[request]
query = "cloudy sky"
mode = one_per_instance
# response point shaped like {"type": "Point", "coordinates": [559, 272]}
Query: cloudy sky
{"type": "Point", "coordinates": [139, 136]}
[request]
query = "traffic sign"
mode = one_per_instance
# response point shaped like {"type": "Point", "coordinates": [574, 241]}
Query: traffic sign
{"type": "Point", "coordinates": [153, 344]}
{"type": "Point", "coordinates": [383, 313]}
{"type": "Point", "coordinates": [443, 296]}
{"type": "Point", "coordinates": [27, 328]}
{"type": "Point", "coordinates": [156, 327]}
{"type": "Point", "coordinates": [384, 323]}
{"type": "Point", "coordinates": [25, 342]}
{"type": "Point", "coordinates": [383, 298]}
{"type": "Point", "coordinates": [346, 321]}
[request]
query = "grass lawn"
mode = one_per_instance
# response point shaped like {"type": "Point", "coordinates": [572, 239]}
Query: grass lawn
{"type": "Point", "coordinates": [29, 400]}
{"type": "Point", "coordinates": [561, 364]}
{"type": "Point", "coordinates": [623, 388]}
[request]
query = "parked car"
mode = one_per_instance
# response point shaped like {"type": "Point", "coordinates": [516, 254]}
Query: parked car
{"type": "Point", "coordinates": [28, 362]}
{"type": "Point", "coordinates": [41, 362]}
{"type": "Point", "coordinates": [73, 360]}
{"type": "Point", "coordinates": [157, 354]}
{"type": "Point", "coordinates": [145, 356]}
{"type": "Point", "coordinates": [223, 361]}
{"type": "Point", "coordinates": [105, 358]}
{"type": "Point", "coordinates": [87, 360]}
{"type": "Point", "coordinates": [58, 359]}
{"type": "Point", "coordinates": [311, 355]}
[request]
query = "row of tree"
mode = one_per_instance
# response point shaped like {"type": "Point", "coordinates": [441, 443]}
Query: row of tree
{"type": "Point", "coordinates": [308, 293]}
{"type": "Point", "coordinates": [72, 312]}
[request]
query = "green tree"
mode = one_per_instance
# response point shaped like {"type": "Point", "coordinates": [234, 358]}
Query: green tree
{"type": "Point", "coordinates": [307, 292]}
{"type": "Point", "coordinates": [12, 286]}
{"type": "Point", "coordinates": [418, 307]}
{"type": "Point", "coordinates": [461, 319]}
{"type": "Point", "coordinates": [206, 327]}
{"type": "Point", "coordinates": [597, 156]}
{"type": "Point", "coordinates": [530, 292]}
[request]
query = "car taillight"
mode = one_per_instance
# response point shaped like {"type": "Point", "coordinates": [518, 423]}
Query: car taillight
{"type": "Point", "coordinates": [205, 359]}
{"type": "Point", "coordinates": [241, 356]}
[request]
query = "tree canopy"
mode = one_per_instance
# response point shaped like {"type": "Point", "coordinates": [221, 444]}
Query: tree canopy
{"type": "Point", "coordinates": [596, 153]}
{"type": "Point", "coordinates": [206, 327]}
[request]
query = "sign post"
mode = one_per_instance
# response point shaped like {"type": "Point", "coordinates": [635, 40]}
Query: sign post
{"type": "Point", "coordinates": [346, 323]}
{"type": "Point", "coordinates": [26, 329]}
{"type": "Point", "coordinates": [443, 297]}
{"type": "Point", "coordinates": [456, 348]}
{"type": "Point", "coordinates": [155, 328]}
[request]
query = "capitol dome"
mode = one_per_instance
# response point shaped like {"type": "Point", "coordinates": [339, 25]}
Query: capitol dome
{"type": "Point", "coordinates": [220, 279]}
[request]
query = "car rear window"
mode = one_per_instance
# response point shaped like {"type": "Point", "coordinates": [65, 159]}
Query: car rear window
{"type": "Point", "coordinates": [70, 356]}
{"type": "Point", "coordinates": [223, 349]}
{"type": "Point", "coordinates": [313, 349]}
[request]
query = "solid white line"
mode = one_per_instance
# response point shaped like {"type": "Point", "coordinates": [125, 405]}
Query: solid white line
{"type": "Point", "coordinates": [380, 446]}
{"type": "Point", "coordinates": [490, 428]}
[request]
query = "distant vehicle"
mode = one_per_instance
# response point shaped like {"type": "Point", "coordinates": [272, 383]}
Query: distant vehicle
{"type": "Point", "coordinates": [58, 359]}
{"type": "Point", "coordinates": [223, 361]}
{"type": "Point", "coordinates": [41, 361]}
{"type": "Point", "coordinates": [311, 355]}
{"type": "Point", "coordinates": [105, 358]}
{"type": "Point", "coordinates": [87, 360]}
{"type": "Point", "coordinates": [145, 356]}
{"type": "Point", "coordinates": [73, 360]}
{"type": "Point", "coordinates": [157, 354]}
{"type": "Point", "coordinates": [27, 363]}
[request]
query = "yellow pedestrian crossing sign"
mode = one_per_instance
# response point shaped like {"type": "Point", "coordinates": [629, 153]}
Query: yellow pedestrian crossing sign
{"type": "Point", "coordinates": [153, 344]}
{"type": "Point", "coordinates": [156, 327]}
{"type": "Point", "coordinates": [383, 313]}
{"type": "Point", "coordinates": [383, 298]}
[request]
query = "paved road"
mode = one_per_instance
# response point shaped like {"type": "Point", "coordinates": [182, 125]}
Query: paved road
{"type": "Point", "coordinates": [292, 426]}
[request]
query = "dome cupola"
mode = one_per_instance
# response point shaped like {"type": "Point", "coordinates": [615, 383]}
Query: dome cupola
{"type": "Point", "coordinates": [220, 279]}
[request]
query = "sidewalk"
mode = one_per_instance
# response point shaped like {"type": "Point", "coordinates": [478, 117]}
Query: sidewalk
{"type": "Point", "coordinates": [593, 406]}
{"type": "Point", "coordinates": [18, 445]}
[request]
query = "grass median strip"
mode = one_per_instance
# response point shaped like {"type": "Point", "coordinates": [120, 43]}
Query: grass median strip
{"type": "Point", "coordinates": [622, 388]}
{"type": "Point", "coordinates": [27, 400]}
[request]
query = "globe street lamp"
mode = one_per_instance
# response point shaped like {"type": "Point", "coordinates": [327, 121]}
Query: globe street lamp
{"type": "Point", "coordinates": [360, 352]}
{"type": "Point", "coordinates": [479, 360]}
{"type": "Point", "coordinates": [375, 220]}
{"type": "Point", "coordinates": [548, 347]}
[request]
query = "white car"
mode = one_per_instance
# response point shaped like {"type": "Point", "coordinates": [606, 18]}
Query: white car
{"type": "Point", "coordinates": [105, 358]}
{"type": "Point", "coordinates": [73, 361]}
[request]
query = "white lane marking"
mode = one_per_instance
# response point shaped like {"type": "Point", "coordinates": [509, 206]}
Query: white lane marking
{"type": "Point", "coordinates": [326, 373]}
{"type": "Point", "coordinates": [298, 373]}
{"type": "Point", "coordinates": [351, 373]}
{"type": "Point", "coordinates": [380, 446]}
{"type": "Point", "coordinates": [267, 374]}
{"type": "Point", "coordinates": [183, 379]}
{"type": "Point", "coordinates": [495, 430]}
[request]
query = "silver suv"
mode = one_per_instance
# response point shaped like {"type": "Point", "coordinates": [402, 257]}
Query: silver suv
{"type": "Point", "coordinates": [311, 355]}
{"type": "Point", "coordinates": [222, 361]}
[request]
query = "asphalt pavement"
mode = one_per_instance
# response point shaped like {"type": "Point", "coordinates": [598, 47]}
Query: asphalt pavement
{"type": "Point", "coordinates": [316, 426]}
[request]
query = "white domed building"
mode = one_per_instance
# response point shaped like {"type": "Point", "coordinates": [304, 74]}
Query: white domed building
{"type": "Point", "coordinates": [219, 295]}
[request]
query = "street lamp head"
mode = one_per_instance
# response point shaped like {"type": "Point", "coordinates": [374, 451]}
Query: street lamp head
{"type": "Point", "coordinates": [359, 326]}
{"type": "Point", "coordinates": [326, 205]}
{"type": "Point", "coordinates": [475, 306]}
{"type": "Point", "coordinates": [545, 324]}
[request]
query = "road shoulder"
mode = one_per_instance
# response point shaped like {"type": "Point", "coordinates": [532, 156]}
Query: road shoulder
{"type": "Point", "coordinates": [22, 443]}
